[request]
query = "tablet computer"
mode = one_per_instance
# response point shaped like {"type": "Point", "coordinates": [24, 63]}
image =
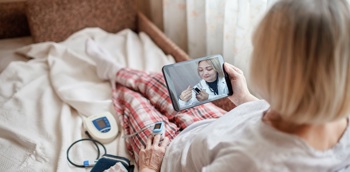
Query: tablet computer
{"type": "Point", "coordinates": [198, 81]}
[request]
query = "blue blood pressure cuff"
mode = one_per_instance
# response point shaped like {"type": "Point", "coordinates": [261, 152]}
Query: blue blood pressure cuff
{"type": "Point", "coordinates": [107, 161]}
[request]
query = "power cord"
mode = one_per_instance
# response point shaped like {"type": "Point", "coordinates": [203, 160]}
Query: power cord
{"type": "Point", "coordinates": [144, 128]}
{"type": "Point", "coordinates": [87, 163]}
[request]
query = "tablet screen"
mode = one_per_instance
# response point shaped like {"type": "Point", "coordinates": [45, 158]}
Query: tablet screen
{"type": "Point", "coordinates": [198, 81]}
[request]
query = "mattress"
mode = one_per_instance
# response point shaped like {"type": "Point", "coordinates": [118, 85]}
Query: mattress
{"type": "Point", "coordinates": [8, 48]}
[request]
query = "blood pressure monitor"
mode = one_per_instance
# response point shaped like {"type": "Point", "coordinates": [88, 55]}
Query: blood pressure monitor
{"type": "Point", "coordinates": [101, 127]}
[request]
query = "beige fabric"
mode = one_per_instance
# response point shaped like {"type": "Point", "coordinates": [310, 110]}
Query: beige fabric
{"type": "Point", "coordinates": [215, 27]}
{"type": "Point", "coordinates": [208, 27]}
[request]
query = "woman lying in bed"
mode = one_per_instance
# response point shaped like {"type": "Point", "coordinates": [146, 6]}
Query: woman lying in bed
{"type": "Point", "coordinates": [300, 67]}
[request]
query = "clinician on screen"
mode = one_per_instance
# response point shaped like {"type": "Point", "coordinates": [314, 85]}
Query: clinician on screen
{"type": "Point", "coordinates": [211, 85]}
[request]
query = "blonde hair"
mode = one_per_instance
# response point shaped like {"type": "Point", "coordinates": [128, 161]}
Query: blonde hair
{"type": "Point", "coordinates": [216, 64]}
{"type": "Point", "coordinates": [301, 60]}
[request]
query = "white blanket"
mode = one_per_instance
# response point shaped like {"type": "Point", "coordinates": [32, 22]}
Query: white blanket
{"type": "Point", "coordinates": [43, 101]}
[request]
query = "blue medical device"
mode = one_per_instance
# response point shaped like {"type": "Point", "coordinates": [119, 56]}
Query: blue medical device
{"type": "Point", "coordinates": [158, 128]}
{"type": "Point", "coordinates": [102, 124]}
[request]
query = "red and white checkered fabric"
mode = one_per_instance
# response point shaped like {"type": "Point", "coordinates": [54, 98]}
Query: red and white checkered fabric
{"type": "Point", "coordinates": [141, 99]}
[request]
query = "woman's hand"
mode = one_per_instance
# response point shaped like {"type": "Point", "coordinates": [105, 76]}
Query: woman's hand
{"type": "Point", "coordinates": [186, 95]}
{"type": "Point", "coordinates": [240, 89]}
{"type": "Point", "coordinates": [203, 95]}
{"type": "Point", "coordinates": [151, 157]}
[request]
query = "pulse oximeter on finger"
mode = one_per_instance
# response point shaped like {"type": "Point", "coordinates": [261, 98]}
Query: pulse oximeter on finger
{"type": "Point", "coordinates": [158, 128]}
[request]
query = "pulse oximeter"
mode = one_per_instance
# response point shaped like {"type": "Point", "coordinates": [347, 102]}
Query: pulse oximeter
{"type": "Point", "coordinates": [158, 128]}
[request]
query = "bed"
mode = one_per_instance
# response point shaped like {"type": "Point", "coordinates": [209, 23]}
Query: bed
{"type": "Point", "coordinates": [49, 85]}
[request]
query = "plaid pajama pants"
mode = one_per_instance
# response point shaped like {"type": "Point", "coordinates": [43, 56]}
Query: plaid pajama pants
{"type": "Point", "coordinates": [141, 99]}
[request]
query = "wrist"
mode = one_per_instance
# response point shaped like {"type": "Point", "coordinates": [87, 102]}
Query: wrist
{"type": "Point", "coordinates": [249, 97]}
{"type": "Point", "coordinates": [238, 100]}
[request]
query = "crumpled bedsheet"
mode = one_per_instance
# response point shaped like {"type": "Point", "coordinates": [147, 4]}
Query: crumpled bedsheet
{"type": "Point", "coordinates": [43, 101]}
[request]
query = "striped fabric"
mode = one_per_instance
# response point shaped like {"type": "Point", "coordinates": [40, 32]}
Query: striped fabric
{"type": "Point", "coordinates": [141, 99]}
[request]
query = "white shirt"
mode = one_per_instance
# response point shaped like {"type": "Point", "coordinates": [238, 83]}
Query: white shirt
{"type": "Point", "coordinates": [222, 92]}
{"type": "Point", "coordinates": [240, 141]}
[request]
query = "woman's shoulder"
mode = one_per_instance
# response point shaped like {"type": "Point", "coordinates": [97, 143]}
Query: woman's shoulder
{"type": "Point", "coordinates": [201, 83]}
{"type": "Point", "coordinates": [222, 79]}
{"type": "Point", "coordinates": [258, 148]}
{"type": "Point", "coordinates": [251, 107]}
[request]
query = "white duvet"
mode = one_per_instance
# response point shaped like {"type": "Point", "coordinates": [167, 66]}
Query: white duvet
{"type": "Point", "coordinates": [43, 101]}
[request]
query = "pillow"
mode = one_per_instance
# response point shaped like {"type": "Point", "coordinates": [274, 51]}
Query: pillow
{"type": "Point", "coordinates": [55, 20]}
{"type": "Point", "coordinates": [13, 19]}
